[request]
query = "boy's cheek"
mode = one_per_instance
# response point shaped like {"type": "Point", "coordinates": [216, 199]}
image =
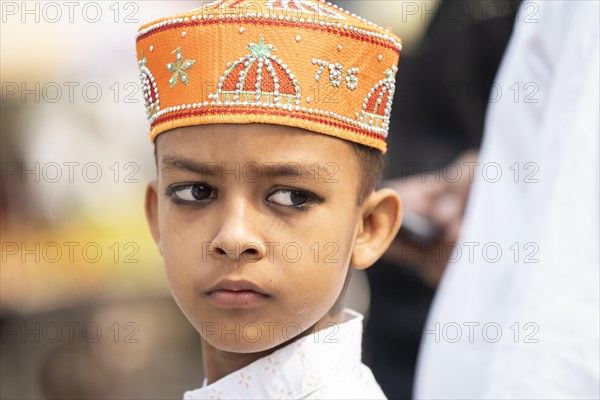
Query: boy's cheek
{"type": "Point", "coordinates": [180, 260]}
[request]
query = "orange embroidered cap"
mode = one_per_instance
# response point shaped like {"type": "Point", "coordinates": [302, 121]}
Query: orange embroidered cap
{"type": "Point", "coordinates": [300, 63]}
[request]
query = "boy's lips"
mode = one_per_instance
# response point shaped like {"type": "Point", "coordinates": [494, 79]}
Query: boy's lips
{"type": "Point", "coordinates": [237, 293]}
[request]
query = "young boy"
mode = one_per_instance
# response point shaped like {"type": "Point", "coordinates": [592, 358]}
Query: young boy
{"type": "Point", "coordinates": [269, 121]}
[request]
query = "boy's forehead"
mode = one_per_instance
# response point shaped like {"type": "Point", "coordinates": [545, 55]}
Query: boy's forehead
{"type": "Point", "coordinates": [297, 63]}
{"type": "Point", "coordinates": [248, 143]}
{"type": "Point", "coordinates": [255, 153]}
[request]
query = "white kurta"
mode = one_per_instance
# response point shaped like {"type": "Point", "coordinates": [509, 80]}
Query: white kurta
{"type": "Point", "coordinates": [324, 365]}
{"type": "Point", "coordinates": [540, 297]}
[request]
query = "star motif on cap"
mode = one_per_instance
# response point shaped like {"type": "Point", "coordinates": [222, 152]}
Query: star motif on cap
{"type": "Point", "coordinates": [261, 50]}
{"type": "Point", "coordinates": [179, 67]}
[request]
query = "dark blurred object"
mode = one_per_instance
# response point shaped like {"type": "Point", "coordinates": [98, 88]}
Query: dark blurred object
{"type": "Point", "coordinates": [14, 204]}
{"type": "Point", "coordinates": [442, 88]}
{"type": "Point", "coordinates": [441, 96]}
{"type": "Point", "coordinates": [139, 348]}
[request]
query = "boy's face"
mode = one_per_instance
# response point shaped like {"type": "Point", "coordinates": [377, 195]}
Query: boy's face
{"type": "Point", "coordinates": [257, 225]}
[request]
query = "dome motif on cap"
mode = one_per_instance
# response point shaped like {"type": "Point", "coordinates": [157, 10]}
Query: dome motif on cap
{"type": "Point", "coordinates": [377, 106]}
{"type": "Point", "coordinates": [258, 78]}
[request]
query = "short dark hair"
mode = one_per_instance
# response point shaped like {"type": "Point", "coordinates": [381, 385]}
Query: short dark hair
{"type": "Point", "coordinates": [371, 163]}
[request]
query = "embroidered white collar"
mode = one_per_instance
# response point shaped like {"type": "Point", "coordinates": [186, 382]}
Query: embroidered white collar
{"type": "Point", "coordinates": [296, 370]}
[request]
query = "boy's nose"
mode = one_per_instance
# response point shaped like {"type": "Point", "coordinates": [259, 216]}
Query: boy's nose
{"type": "Point", "coordinates": [237, 237]}
{"type": "Point", "coordinates": [238, 251]}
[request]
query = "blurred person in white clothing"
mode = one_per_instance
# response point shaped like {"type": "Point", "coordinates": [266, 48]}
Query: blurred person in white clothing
{"type": "Point", "coordinates": [517, 312]}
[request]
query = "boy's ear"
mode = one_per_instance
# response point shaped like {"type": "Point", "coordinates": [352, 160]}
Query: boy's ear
{"type": "Point", "coordinates": [151, 206]}
{"type": "Point", "coordinates": [381, 218]}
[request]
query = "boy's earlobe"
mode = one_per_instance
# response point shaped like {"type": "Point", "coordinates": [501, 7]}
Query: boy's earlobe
{"type": "Point", "coordinates": [151, 207]}
{"type": "Point", "coordinates": [382, 215]}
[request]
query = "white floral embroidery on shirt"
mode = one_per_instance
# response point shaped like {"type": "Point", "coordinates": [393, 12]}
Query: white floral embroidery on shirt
{"type": "Point", "coordinates": [216, 395]}
{"type": "Point", "coordinates": [284, 394]}
{"type": "Point", "coordinates": [271, 365]}
{"type": "Point", "coordinates": [245, 380]}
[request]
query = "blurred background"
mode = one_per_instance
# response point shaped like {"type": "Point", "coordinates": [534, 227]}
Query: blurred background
{"type": "Point", "coordinates": [85, 311]}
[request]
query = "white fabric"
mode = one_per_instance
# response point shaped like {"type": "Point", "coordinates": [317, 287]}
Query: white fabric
{"type": "Point", "coordinates": [324, 365]}
{"type": "Point", "coordinates": [555, 47]}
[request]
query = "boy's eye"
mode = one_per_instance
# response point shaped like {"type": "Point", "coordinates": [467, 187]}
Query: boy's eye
{"type": "Point", "coordinates": [289, 198]}
{"type": "Point", "coordinates": [191, 193]}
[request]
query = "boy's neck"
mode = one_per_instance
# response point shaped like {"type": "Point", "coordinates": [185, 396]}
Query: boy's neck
{"type": "Point", "coordinates": [220, 363]}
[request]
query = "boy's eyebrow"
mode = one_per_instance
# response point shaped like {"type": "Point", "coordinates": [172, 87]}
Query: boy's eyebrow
{"type": "Point", "coordinates": [293, 169]}
{"type": "Point", "coordinates": [178, 163]}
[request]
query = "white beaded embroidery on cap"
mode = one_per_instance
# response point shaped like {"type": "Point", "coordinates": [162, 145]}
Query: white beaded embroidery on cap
{"type": "Point", "coordinates": [149, 89]}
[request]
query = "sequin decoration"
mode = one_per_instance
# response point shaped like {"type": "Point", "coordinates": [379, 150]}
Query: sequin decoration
{"type": "Point", "coordinates": [149, 88]}
{"type": "Point", "coordinates": [179, 67]}
{"type": "Point", "coordinates": [377, 106]}
{"type": "Point", "coordinates": [258, 78]}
